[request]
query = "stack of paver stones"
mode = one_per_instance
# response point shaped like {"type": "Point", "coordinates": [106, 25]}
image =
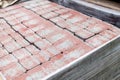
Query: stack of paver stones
{"type": "Point", "coordinates": [41, 40]}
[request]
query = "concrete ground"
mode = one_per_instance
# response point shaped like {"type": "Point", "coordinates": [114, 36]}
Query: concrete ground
{"type": "Point", "coordinates": [39, 37]}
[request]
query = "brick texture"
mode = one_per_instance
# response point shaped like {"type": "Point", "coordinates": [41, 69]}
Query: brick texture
{"type": "Point", "coordinates": [38, 37]}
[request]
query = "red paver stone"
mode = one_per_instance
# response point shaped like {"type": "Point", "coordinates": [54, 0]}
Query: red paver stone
{"type": "Point", "coordinates": [3, 24]}
{"type": "Point", "coordinates": [49, 67]}
{"type": "Point", "coordinates": [14, 21]}
{"type": "Point", "coordinates": [25, 31]}
{"type": "Point", "coordinates": [29, 62]}
{"type": "Point", "coordinates": [108, 34]}
{"type": "Point", "coordinates": [25, 18]}
{"type": "Point", "coordinates": [32, 49]}
{"type": "Point", "coordinates": [97, 28]}
{"type": "Point", "coordinates": [50, 15]}
{"type": "Point", "coordinates": [33, 22]}
{"type": "Point", "coordinates": [21, 53]}
{"type": "Point", "coordinates": [9, 31]}
{"type": "Point", "coordinates": [43, 56]}
{"type": "Point", "coordinates": [13, 71]}
{"type": "Point", "coordinates": [4, 37]}
{"type": "Point", "coordinates": [43, 11]}
{"type": "Point", "coordinates": [82, 33]}
{"type": "Point", "coordinates": [53, 50]}
{"type": "Point", "coordinates": [9, 17]}
{"type": "Point", "coordinates": [34, 74]}
{"type": "Point", "coordinates": [77, 51]}
{"type": "Point", "coordinates": [97, 40]}
{"type": "Point", "coordinates": [42, 44]}
{"type": "Point", "coordinates": [32, 37]}
{"type": "Point", "coordinates": [6, 61]}
{"type": "Point", "coordinates": [3, 52]}
{"type": "Point", "coordinates": [46, 31]}
{"type": "Point", "coordinates": [37, 28]}
{"type": "Point", "coordinates": [22, 42]}
{"type": "Point", "coordinates": [67, 43]}
{"type": "Point", "coordinates": [59, 59]}
{"type": "Point", "coordinates": [18, 27]}
{"type": "Point", "coordinates": [66, 15]}
{"type": "Point", "coordinates": [57, 36]}
{"type": "Point", "coordinates": [114, 29]}
{"type": "Point", "coordinates": [56, 19]}
{"type": "Point", "coordinates": [63, 24]}
{"type": "Point", "coordinates": [75, 19]}
{"type": "Point", "coordinates": [62, 11]}
{"type": "Point", "coordinates": [72, 28]}
{"type": "Point", "coordinates": [11, 46]}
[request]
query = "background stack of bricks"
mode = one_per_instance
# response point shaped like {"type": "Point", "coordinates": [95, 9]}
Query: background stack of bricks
{"type": "Point", "coordinates": [39, 37]}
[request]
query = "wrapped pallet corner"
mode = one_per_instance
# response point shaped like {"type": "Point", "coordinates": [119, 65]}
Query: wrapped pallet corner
{"type": "Point", "coordinates": [5, 3]}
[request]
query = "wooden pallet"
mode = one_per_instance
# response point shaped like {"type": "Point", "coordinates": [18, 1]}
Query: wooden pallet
{"type": "Point", "coordinates": [106, 3]}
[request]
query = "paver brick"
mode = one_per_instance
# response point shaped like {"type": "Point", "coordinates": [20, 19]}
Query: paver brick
{"type": "Point", "coordinates": [63, 24]}
{"type": "Point", "coordinates": [25, 18]}
{"type": "Point", "coordinates": [73, 28]}
{"type": "Point", "coordinates": [37, 28]}
{"type": "Point", "coordinates": [4, 39]}
{"type": "Point", "coordinates": [34, 74]}
{"type": "Point", "coordinates": [66, 44]}
{"type": "Point", "coordinates": [58, 59]}
{"type": "Point", "coordinates": [108, 34]}
{"type": "Point", "coordinates": [32, 49]}
{"type": "Point", "coordinates": [9, 31]}
{"type": "Point", "coordinates": [2, 34]}
{"type": "Point", "coordinates": [21, 53]}
{"type": "Point", "coordinates": [29, 62]}
{"type": "Point", "coordinates": [13, 71]}
{"type": "Point", "coordinates": [22, 42]}
{"type": "Point", "coordinates": [75, 19]}
{"type": "Point", "coordinates": [32, 22]}
{"type": "Point", "coordinates": [32, 37]}
{"type": "Point", "coordinates": [3, 52]}
{"type": "Point", "coordinates": [57, 36]}
{"type": "Point", "coordinates": [56, 19]}
{"type": "Point", "coordinates": [42, 44]}
{"type": "Point", "coordinates": [49, 67]}
{"type": "Point", "coordinates": [3, 24]}
{"type": "Point", "coordinates": [97, 28]}
{"type": "Point", "coordinates": [97, 40]}
{"type": "Point", "coordinates": [114, 29]}
{"type": "Point", "coordinates": [83, 33]}
{"type": "Point", "coordinates": [18, 27]}
{"type": "Point", "coordinates": [11, 46]}
{"type": "Point", "coordinates": [7, 60]}
{"type": "Point", "coordinates": [44, 56]}
{"type": "Point", "coordinates": [43, 11]}
{"type": "Point", "coordinates": [53, 50]}
{"type": "Point", "coordinates": [11, 12]}
{"type": "Point", "coordinates": [50, 15]}
{"type": "Point", "coordinates": [25, 31]}
{"type": "Point", "coordinates": [62, 11]}
{"type": "Point", "coordinates": [66, 15]}
{"type": "Point", "coordinates": [44, 32]}
{"type": "Point", "coordinates": [14, 22]}
{"type": "Point", "coordinates": [77, 51]}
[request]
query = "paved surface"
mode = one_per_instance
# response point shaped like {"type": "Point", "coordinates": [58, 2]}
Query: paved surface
{"type": "Point", "coordinates": [39, 37]}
